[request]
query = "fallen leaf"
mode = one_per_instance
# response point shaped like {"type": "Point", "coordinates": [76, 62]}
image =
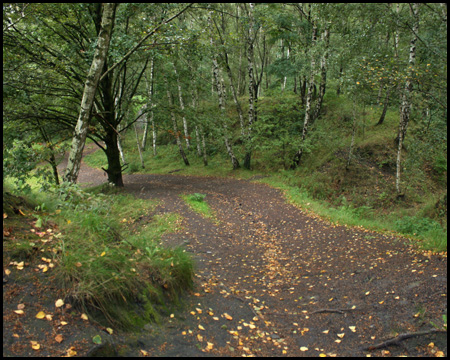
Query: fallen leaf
{"type": "Point", "coordinates": [109, 330]}
{"type": "Point", "coordinates": [49, 317]}
{"type": "Point", "coordinates": [59, 303]}
{"type": "Point", "coordinates": [341, 335]}
{"type": "Point", "coordinates": [84, 317]}
{"type": "Point", "coordinates": [228, 317]}
{"type": "Point", "coordinates": [303, 348]}
{"type": "Point", "coordinates": [7, 271]}
{"type": "Point", "coordinates": [199, 337]}
{"type": "Point", "coordinates": [35, 345]}
{"type": "Point", "coordinates": [21, 306]}
{"type": "Point", "coordinates": [40, 315]}
{"type": "Point", "coordinates": [59, 338]}
{"type": "Point", "coordinates": [71, 351]}
{"type": "Point", "coordinates": [209, 346]}
{"type": "Point", "coordinates": [143, 352]}
{"type": "Point", "coordinates": [64, 323]}
{"type": "Point", "coordinates": [20, 312]}
{"type": "Point", "coordinates": [97, 339]}
{"type": "Point", "coordinates": [352, 328]}
{"type": "Point", "coordinates": [201, 327]}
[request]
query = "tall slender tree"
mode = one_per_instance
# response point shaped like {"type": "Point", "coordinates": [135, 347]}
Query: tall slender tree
{"type": "Point", "coordinates": [92, 80]}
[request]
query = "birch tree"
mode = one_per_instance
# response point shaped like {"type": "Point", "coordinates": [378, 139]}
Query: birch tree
{"type": "Point", "coordinates": [252, 90]}
{"type": "Point", "coordinates": [308, 105]}
{"type": "Point", "coordinates": [405, 110]}
{"type": "Point", "coordinates": [90, 87]}
{"type": "Point", "coordinates": [218, 86]}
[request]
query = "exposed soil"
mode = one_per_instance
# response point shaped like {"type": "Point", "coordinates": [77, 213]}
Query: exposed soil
{"type": "Point", "coordinates": [272, 280]}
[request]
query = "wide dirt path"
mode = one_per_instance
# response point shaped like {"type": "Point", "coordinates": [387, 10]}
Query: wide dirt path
{"type": "Point", "coordinates": [273, 280]}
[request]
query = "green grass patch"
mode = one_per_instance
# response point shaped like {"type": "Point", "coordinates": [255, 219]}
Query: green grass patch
{"type": "Point", "coordinates": [197, 203]}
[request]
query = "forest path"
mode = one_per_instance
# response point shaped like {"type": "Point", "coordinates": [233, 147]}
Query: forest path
{"type": "Point", "coordinates": [288, 282]}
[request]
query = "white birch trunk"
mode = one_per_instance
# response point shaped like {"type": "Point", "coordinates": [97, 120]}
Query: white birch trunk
{"type": "Point", "coordinates": [90, 87]}
{"type": "Point", "coordinates": [308, 110]}
{"type": "Point", "coordinates": [149, 112]}
{"type": "Point", "coordinates": [180, 96]}
{"type": "Point", "coordinates": [406, 99]}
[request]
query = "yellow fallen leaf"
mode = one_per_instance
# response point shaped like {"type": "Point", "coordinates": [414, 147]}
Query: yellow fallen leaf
{"type": "Point", "coordinates": [326, 331]}
{"type": "Point", "coordinates": [337, 341]}
{"type": "Point", "coordinates": [110, 331]}
{"type": "Point", "coordinates": [143, 352]}
{"type": "Point", "coordinates": [303, 348]}
{"type": "Point", "coordinates": [21, 306]}
{"type": "Point", "coordinates": [49, 317]}
{"type": "Point", "coordinates": [103, 253]}
{"type": "Point", "coordinates": [209, 346]}
{"type": "Point", "coordinates": [198, 310]}
{"type": "Point", "coordinates": [172, 316]}
{"type": "Point", "coordinates": [341, 335]}
{"type": "Point", "coordinates": [71, 351]}
{"type": "Point", "coordinates": [35, 345]}
{"type": "Point", "coordinates": [201, 327]}
{"type": "Point", "coordinates": [40, 315]}
{"type": "Point", "coordinates": [20, 312]}
{"type": "Point", "coordinates": [199, 337]}
{"type": "Point", "coordinates": [7, 271]}
{"type": "Point", "coordinates": [84, 317]}
{"type": "Point", "coordinates": [215, 318]}
{"type": "Point", "coordinates": [352, 328]}
{"type": "Point", "coordinates": [64, 323]}
{"type": "Point", "coordinates": [59, 303]}
{"type": "Point", "coordinates": [228, 317]}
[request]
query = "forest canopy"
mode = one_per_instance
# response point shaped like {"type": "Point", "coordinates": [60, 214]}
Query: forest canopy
{"type": "Point", "coordinates": [239, 79]}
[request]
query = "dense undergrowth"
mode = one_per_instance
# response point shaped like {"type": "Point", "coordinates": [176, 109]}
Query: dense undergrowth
{"type": "Point", "coordinates": [108, 255]}
{"type": "Point", "coordinates": [359, 193]}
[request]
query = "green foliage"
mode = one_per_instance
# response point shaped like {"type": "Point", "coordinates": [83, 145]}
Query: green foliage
{"type": "Point", "coordinates": [197, 197]}
{"type": "Point", "coordinates": [277, 132]}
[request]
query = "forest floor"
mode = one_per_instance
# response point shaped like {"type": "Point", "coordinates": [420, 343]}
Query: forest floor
{"type": "Point", "coordinates": [271, 280]}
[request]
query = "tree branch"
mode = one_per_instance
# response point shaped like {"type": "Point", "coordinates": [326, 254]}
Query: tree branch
{"type": "Point", "coordinates": [129, 53]}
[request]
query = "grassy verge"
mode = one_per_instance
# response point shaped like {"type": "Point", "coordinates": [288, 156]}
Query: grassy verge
{"type": "Point", "coordinates": [424, 232]}
{"type": "Point", "coordinates": [109, 257]}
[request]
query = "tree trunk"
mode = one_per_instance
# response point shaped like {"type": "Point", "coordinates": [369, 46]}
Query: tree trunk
{"type": "Point", "coordinates": [252, 94]}
{"type": "Point", "coordinates": [139, 146]}
{"type": "Point", "coordinates": [352, 143]}
{"type": "Point", "coordinates": [386, 103]}
{"type": "Point", "coordinates": [174, 123]}
{"type": "Point", "coordinates": [323, 74]}
{"type": "Point", "coordinates": [406, 98]}
{"type": "Point", "coordinates": [114, 170]}
{"type": "Point", "coordinates": [180, 96]}
{"type": "Point", "coordinates": [90, 87]}
{"type": "Point", "coordinates": [308, 107]}
{"type": "Point", "coordinates": [149, 112]}
{"type": "Point", "coordinates": [234, 160]}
